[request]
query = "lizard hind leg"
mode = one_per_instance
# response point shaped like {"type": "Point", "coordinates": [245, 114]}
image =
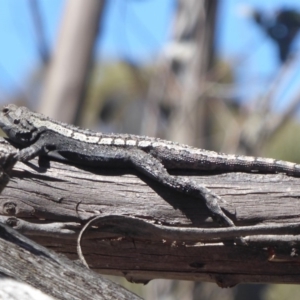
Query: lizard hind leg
{"type": "Point", "coordinates": [153, 168]}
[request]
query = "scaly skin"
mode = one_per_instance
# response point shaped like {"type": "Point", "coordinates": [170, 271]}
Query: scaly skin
{"type": "Point", "coordinates": [39, 135]}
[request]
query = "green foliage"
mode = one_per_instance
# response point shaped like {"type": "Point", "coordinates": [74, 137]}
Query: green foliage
{"type": "Point", "coordinates": [281, 291]}
{"type": "Point", "coordinates": [113, 86]}
{"type": "Point", "coordinates": [286, 143]}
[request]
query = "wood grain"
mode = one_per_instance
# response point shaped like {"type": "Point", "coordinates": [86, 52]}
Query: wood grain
{"type": "Point", "coordinates": [65, 197]}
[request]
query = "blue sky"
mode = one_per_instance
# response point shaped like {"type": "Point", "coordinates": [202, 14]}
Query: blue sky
{"type": "Point", "coordinates": [138, 30]}
{"type": "Point", "coordinates": [242, 42]}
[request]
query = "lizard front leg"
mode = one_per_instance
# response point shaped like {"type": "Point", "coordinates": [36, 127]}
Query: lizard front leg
{"type": "Point", "coordinates": [28, 153]}
{"type": "Point", "coordinates": [153, 168]}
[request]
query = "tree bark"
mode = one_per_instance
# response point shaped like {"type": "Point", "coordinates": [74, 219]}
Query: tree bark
{"type": "Point", "coordinates": [193, 31]}
{"type": "Point", "coordinates": [22, 260]}
{"type": "Point", "coordinates": [26, 261]}
{"type": "Point", "coordinates": [147, 231]}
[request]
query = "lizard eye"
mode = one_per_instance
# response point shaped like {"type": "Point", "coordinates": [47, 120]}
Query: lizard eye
{"type": "Point", "coordinates": [16, 121]}
{"type": "Point", "coordinates": [5, 110]}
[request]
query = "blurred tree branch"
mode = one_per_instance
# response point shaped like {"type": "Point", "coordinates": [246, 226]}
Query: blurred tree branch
{"type": "Point", "coordinates": [39, 29]}
{"type": "Point", "coordinates": [70, 64]}
{"type": "Point", "coordinates": [188, 58]}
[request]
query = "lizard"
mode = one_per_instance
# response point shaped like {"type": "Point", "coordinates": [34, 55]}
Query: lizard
{"type": "Point", "coordinates": [38, 135]}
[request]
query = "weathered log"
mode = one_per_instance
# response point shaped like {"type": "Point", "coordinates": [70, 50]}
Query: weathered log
{"type": "Point", "coordinates": [26, 261]}
{"type": "Point", "coordinates": [14, 290]}
{"type": "Point", "coordinates": [57, 199]}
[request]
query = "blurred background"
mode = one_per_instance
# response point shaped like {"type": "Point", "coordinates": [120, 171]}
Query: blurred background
{"type": "Point", "coordinates": [222, 75]}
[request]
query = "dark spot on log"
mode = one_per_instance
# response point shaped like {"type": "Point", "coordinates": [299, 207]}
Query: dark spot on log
{"type": "Point", "coordinates": [12, 222]}
{"type": "Point", "coordinates": [9, 208]}
{"type": "Point", "coordinates": [197, 265]}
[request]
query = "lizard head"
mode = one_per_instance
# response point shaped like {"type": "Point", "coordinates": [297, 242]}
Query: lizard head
{"type": "Point", "coordinates": [15, 122]}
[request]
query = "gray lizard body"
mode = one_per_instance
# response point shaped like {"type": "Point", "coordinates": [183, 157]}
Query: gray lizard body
{"type": "Point", "coordinates": [39, 135]}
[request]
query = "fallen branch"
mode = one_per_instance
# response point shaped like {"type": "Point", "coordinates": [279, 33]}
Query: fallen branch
{"type": "Point", "coordinates": [26, 261]}
{"type": "Point", "coordinates": [147, 231]}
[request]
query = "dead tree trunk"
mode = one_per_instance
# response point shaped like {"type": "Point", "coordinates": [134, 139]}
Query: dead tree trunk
{"type": "Point", "coordinates": [146, 231]}
{"type": "Point", "coordinates": [71, 62]}
{"type": "Point", "coordinates": [193, 36]}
